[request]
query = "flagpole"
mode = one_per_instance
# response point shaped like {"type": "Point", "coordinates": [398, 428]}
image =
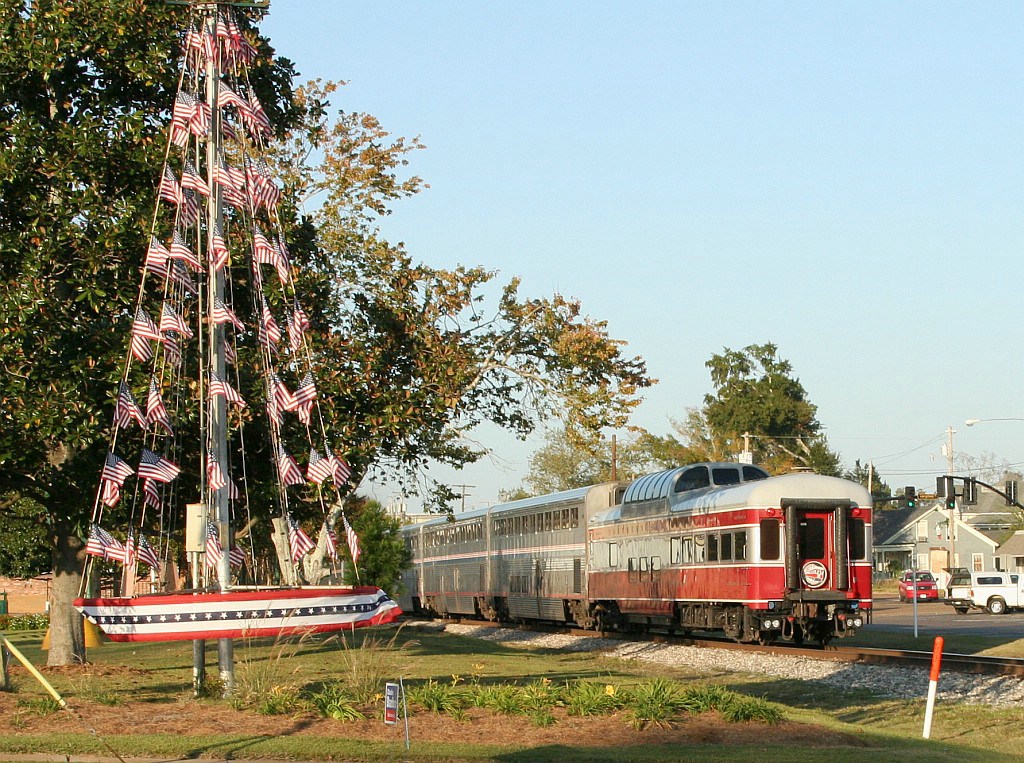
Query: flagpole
{"type": "Point", "coordinates": [217, 336]}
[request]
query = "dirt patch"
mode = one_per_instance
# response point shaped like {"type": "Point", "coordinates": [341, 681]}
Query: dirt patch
{"type": "Point", "coordinates": [188, 717]}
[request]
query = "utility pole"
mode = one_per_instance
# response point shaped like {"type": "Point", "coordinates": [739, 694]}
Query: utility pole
{"type": "Point", "coordinates": [464, 494]}
{"type": "Point", "coordinates": [952, 503]}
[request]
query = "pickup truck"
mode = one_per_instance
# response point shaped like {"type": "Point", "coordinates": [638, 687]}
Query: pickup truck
{"type": "Point", "coordinates": [997, 592]}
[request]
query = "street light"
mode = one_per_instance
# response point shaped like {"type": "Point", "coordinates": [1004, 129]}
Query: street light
{"type": "Point", "coordinates": [972, 422]}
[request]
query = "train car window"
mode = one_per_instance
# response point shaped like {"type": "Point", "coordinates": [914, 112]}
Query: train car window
{"type": "Point", "coordinates": [810, 538]}
{"type": "Point", "coordinates": [739, 546]}
{"type": "Point", "coordinates": [712, 547]}
{"type": "Point", "coordinates": [751, 473]}
{"type": "Point", "coordinates": [693, 479]}
{"type": "Point", "coordinates": [631, 573]}
{"type": "Point", "coordinates": [655, 563]}
{"type": "Point", "coordinates": [574, 517]}
{"type": "Point", "coordinates": [769, 539]}
{"type": "Point", "coordinates": [688, 550]}
{"type": "Point", "coordinates": [643, 566]}
{"type": "Point", "coordinates": [613, 554]}
{"type": "Point", "coordinates": [675, 551]}
{"type": "Point", "coordinates": [549, 521]}
{"type": "Point", "coordinates": [699, 548]}
{"type": "Point", "coordinates": [726, 475]}
{"type": "Point", "coordinates": [725, 551]}
{"type": "Point", "coordinates": [858, 546]}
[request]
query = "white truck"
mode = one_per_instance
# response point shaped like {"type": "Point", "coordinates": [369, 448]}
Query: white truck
{"type": "Point", "coordinates": [998, 592]}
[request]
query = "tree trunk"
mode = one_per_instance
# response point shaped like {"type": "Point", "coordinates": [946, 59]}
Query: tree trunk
{"type": "Point", "coordinates": [67, 637]}
{"type": "Point", "coordinates": [289, 572]}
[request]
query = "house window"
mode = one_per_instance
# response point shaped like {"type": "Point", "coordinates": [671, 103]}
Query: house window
{"type": "Point", "coordinates": [977, 562]}
{"type": "Point", "coordinates": [922, 529]}
{"type": "Point", "coordinates": [1018, 562]}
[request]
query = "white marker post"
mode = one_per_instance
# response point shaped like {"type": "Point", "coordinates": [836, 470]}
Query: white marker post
{"type": "Point", "coordinates": [933, 684]}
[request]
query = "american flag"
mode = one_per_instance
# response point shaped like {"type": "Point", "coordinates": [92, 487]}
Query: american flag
{"type": "Point", "coordinates": [214, 474]}
{"type": "Point", "coordinates": [189, 209]}
{"type": "Point", "coordinates": [218, 386]}
{"type": "Point", "coordinates": [306, 393]}
{"type": "Point", "coordinates": [156, 411]}
{"type": "Point", "coordinates": [260, 185]}
{"type": "Point", "coordinates": [295, 335]}
{"type": "Point", "coordinates": [267, 253]}
{"type": "Point", "coordinates": [269, 333]}
{"type": "Point", "coordinates": [170, 190]}
{"type": "Point", "coordinates": [190, 179]}
{"type": "Point", "coordinates": [291, 474]}
{"type": "Point", "coordinates": [200, 122]}
{"type": "Point", "coordinates": [283, 399]}
{"type": "Point", "coordinates": [156, 467]}
{"type": "Point", "coordinates": [171, 321]}
{"type": "Point", "coordinates": [227, 176]}
{"type": "Point", "coordinates": [178, 274]}
{"type": "Point", "coordinates": [116, 470]}
{"type": "Point", "coordinates": [218, 248]}
{"type": "Point", "coordinates": [299, 317]}
{"type": "Point", "coordinates": [110, 493]}
{"type": "Point", "coordinates": [298, 540]}
{"type": "Point", "coordinates": [129, 550]}
{"type": "Point", "coordinates": [341, 470]}
{"type": "Point", "coordinates": [127, 409]}
{"type": "Point", "coordinates": [184, 106]}
{"type": "Point", "coordinates": [224, 314]}
{"type": "Point", "coordinates": [143, 329]}
{"type": "Point", "coordinates": [214, 551]}
{"type": "Point", "coordinates": [151, 493]}
{"type": "Point", "coordinates": [230, 353]}
{"type": "Point", "coordinates": [172, 351]}
{"type": "Point", "coordinates": [156, 257]}
{"type": "Point", "coordinates": [104, 545]}
{"type": "Point", "coordinates": [147, 555]}
{"type": "Point", "coordinates": [353, 540]}
{"type": "Point", "coordinates": [332, 541]}
{"type": "Point", "coordinates": [319, 468]}
{"type": "Point", "coordinates": [179, 251]}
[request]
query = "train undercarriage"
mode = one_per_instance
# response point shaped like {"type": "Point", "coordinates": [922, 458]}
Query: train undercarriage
{"type": "Point", "coordinates": [796, 621]}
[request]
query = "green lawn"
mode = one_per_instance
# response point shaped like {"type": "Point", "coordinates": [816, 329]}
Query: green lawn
{"type": "Point", "coordinates": [160, 675]}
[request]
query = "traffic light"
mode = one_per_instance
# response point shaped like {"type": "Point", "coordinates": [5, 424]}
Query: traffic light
{"type": "Point", "coordinates": [1011, 492]}
{"type": "Point", "coordinates": [910, 496]}
{"type": "Point", "coordinates": [970, 496]}
{"type": "Point", "coordinates": [950, 494]}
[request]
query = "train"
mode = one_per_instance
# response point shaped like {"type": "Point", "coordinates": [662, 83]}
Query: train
{"type": "Point", "coordinates": [723, 547]}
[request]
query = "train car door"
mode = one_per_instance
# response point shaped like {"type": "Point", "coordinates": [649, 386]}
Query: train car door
{"type": "Point", "coordinates": [811, 543]}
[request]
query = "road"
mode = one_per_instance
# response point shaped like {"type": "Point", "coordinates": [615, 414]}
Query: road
{"type": "Point", "coordinates": [940, 619]}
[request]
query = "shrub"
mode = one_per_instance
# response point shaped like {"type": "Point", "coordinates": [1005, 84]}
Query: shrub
{"type": "Point", "coordinates": [656, 703]}
{"type": "Point", "coordinates": [24, 622]}
{"type": "Point", "coordinates": [435, 697]}
{"type": "Point", "coordinates": [366, 667]}
{"type": "Point", "coordinates": [334, 701]}
{"type": "Point", "coordinates": [584, 698]}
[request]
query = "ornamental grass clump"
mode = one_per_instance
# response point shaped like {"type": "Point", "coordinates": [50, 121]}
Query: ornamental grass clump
{"type": "Point", "coordinates": [332, 700]}
{"type": "Point", "coordinates": [656, 703]}
{"type": "Point", "coordinates": [435, 697]}
{"type": "Point", "coordinates": [584, 698]}
{"type": "Point", "coordinates": [733, 707]}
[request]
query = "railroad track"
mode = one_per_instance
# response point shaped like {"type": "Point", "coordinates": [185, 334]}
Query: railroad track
{"type": "Point", "coordinates": [961, 663]}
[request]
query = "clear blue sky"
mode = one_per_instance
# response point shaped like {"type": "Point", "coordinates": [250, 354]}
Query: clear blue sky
{"type": "Point", "coordinates": [842, 179]}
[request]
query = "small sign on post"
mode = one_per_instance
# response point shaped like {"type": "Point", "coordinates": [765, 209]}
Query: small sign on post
{"type": "Point", "coordinates": [390, 703]}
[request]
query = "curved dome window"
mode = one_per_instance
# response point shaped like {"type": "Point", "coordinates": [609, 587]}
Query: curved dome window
{"type": "Point", "coordinates": [693, 479]}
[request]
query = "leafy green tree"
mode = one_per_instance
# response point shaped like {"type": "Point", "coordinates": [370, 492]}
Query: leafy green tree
{"type": "Point", "coordinates": [866, 475]}
{"type": "Point", "coordinates": [87, 89]}
{"type": "Point", "coordinates": [755, 394]}
{"type": "Point", "coordinates": [383, 553]}
{"type": "Point", "coordinates": [564, 462]}
{"type": "Point", "coordinates": [25, 546]}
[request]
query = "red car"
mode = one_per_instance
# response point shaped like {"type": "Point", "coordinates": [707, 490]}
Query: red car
{"type": "Point", "coordinates": [924, 589]}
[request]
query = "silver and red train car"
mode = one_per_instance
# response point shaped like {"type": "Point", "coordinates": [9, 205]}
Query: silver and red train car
{"type": "Point", "coordinates": [717, 546]}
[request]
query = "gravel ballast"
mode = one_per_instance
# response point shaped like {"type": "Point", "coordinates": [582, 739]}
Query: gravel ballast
{"type": "Point", "coordinates": [892, 681]}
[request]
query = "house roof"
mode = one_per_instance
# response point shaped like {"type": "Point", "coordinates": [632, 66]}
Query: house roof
{"type": "Point", "coordinates": [1014, 545]}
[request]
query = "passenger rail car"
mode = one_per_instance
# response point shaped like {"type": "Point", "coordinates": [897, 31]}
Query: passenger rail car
{"type": "Point", "coordinates": [719, 546]}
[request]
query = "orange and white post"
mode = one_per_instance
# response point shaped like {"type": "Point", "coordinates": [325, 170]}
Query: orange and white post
{"type": "Point", "coordinates": [933, 685]}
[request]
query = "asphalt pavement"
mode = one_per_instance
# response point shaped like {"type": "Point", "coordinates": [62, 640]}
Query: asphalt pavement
{"type": "Point", "coordinates": [939, 619]}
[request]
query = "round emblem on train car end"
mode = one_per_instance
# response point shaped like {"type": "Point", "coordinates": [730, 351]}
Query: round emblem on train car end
{"type": "Point", "coordinates": [814, 574]}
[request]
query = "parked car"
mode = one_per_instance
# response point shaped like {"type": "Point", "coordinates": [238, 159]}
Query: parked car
{"type": "Point", "coordinates": [996, 591]}
{"type": "Point", "coordinates": [918, 585]}
{"type": "Point", "coordinates": [958, 589]}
